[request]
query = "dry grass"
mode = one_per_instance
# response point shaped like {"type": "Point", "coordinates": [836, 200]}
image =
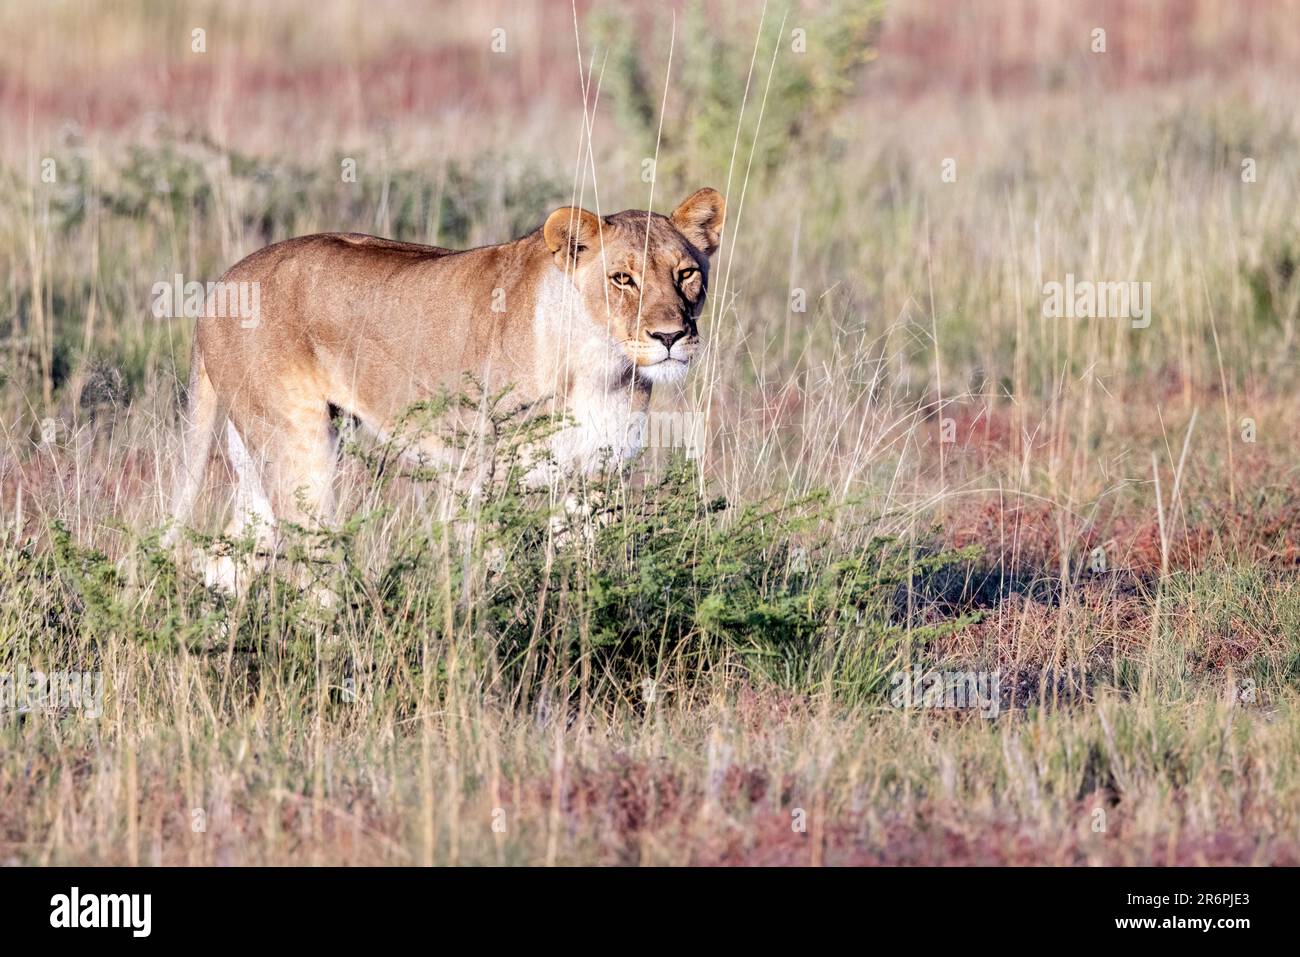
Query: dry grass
{"type": "Point", "coordinates": [1155, 694]}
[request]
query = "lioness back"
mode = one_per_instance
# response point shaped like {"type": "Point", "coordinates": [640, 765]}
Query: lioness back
{"type": "Point", "coordinates": [370, 324]}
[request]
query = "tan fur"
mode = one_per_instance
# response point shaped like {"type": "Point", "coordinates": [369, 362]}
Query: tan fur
{"type": "Point", "coordinates": [371, 325]}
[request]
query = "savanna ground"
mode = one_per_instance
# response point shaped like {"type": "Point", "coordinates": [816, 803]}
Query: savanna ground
{"type": "Point", "coordinates": [907, 464]}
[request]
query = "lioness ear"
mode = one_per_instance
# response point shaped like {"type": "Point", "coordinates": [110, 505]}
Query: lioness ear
{"type": "Point", "coordinates": [699, 218]}
{"type": "Point", "coordinates": [572, 229]}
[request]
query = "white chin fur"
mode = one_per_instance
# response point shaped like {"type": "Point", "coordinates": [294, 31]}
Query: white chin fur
{"type": "Point", "coordinates": [669, 370]}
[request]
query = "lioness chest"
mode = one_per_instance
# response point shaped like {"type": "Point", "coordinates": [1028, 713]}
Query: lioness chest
{"type": "Point", "coordinates": [591, 379]}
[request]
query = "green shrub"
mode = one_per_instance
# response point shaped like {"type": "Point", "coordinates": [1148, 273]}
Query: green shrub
{"type": "Point", "coordinates": [660, 581]}
{"type": "Point", "coordinates": [711, 79]}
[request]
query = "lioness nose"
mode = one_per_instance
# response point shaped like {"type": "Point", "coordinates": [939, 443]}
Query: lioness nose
{"type": "Point", "coordinates": [668, 338]}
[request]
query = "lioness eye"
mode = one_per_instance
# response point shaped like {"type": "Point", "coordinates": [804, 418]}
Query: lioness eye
{"type": "Point", "coordinates": [686, 275]}
{"type": "Point", "coordinates": [621, 279]}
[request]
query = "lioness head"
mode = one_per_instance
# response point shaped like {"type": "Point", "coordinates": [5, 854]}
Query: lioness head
{"type": "Point", "coordinates": [642, 276]}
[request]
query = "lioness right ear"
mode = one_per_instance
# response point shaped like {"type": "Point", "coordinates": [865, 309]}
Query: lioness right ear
{"type": "Point", "coordinates": [699, 218]}
{"type": "Point", "coordinates": [571, 228]}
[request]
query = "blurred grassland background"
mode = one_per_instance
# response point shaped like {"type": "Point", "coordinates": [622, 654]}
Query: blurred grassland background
{"type": "Point", "coordinates": [1158, 685]}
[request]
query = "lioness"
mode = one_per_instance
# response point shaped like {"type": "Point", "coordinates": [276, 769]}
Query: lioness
{"type": "Point", "coordinates": [585, 310]}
